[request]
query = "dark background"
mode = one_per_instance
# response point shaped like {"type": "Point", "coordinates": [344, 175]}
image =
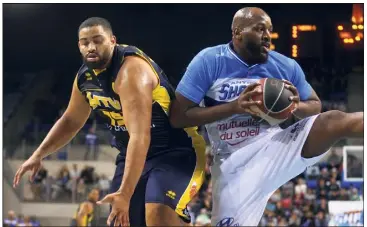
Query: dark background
{"type": "Point", "coordinates": [44, 36]}
{"type": "Point", "coordinates": [43, 39]}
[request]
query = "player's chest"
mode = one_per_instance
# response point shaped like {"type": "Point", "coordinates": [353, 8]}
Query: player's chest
{"type": "Point", "coordinates": [232, 82]}
{"type": "Point", "coordinates": [99, 93]}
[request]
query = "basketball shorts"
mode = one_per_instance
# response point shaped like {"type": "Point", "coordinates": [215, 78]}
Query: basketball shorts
{"type": "Point", "coordinates": [244, 181]}
{"type": "Point", "coordinates": [172, 179]}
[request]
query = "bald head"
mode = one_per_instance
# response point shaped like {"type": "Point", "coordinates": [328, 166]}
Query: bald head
{"type": "Point", "coordinates": [246, 16]}
{"type": "Point", "coordinates": [251, 29]}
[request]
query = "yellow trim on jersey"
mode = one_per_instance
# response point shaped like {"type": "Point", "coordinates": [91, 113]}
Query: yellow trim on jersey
{"type": "Point", "coordinates": [150, 64]}
{"type": "Point", "coordinates": [160, 95]}
{"type": "Point", "coordinates": [98, 71]}
{"type": "Point", "coordinates": [148, 60]}
{"type": "Point", "coordinates": [198, 176]}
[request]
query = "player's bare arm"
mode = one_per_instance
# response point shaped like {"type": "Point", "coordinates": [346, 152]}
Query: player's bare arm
{"type": "Point", "coordinates": [134, 84]}
{"type": "Point", "coordinates": [186, 113]}
{"type": "Point", "coordinates": [61, 133]}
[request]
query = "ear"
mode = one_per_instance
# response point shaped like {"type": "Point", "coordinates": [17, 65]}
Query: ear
{"type": "Point", "coordinates": [237, 33]}
{"type": "Point", "coordinates": [113, 39]}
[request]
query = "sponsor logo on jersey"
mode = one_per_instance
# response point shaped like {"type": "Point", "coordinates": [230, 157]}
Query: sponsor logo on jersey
{"type": "Point", "coordinates": [101, 101]}
{"type": "Point", "coordinates": [237, 131]}
{"type": "Point", "coordinates": [232, 88]}
{"type": "Point", "coordinates": [171, 194]}
{"type": "Point", "coordinates": [297, 128]}
{"type": "Point", "coordinates": [227, 222]}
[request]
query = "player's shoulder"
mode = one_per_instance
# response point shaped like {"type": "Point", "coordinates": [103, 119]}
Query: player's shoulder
{"type": "Point", "coordinates": [212, 51]}
{"type": "Point", "coordinates": [280, 60]}
{"type": "Point", "coordinates": [126, 49]}
{"type": "Point", "coordinates": [82, 70]}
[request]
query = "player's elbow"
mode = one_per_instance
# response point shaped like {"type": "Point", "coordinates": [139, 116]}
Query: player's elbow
{"type": "Point", "coordinates": [176, 116]}
{"type": "Point", "coordinates": [317, 106]}
{"type": "Point", "coordinates": [175, 121]}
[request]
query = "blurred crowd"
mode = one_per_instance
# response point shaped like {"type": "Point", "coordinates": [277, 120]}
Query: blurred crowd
{"type": "Point", "coordinates": [12, 220]}
{"type": "Point", "coordinates": [71, 185]}
{"type": "Point", "coordinates": [303, 201]}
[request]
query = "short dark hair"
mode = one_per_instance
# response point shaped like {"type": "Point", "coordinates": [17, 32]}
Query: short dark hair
{"type": "Point", "coordinates": [95, 21]}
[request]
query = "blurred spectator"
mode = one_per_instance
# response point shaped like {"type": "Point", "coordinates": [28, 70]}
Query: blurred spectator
{"type": "Point", "coordinates": [343, 195]}
{"type": "Point", "coordinates": [74, 173]}
{"type": "Point", "coordinates": [87, 174]}
{"type": "Point", "coordinates": [294, 219]}
{"type": "Point", "coordinates": [312, 172]}
{"type": "Point", "coordinates": [11, 220]}
{"type": "Point", "coordinates": [203, 218]}
{"type": "Point", "coordinates": [298, 200]}
{"type": "Point", "coordinates": [308, 220]}
{"type": "Point", "coordinates": [62, 181]}
{"type": "Point", "coordinates": [74, 178]}
{"type": "Point", "coordinates": [301, 187]}
{"type": "Point", "coordinates": [279, 211]}
{"type": "Point", "coordinates": [334, 158]}
{"type": "Point", "coordinates": [104, 185]}
{"type": "Point", "coordinates": [276, 196]}
{"type": "Point", "coordinates": [310, 195]}
{"type": "Point", "coordinates": [354, 196]}
{"type": "Point", "coordinates": [322, 189]}
{"type": "Point", "coordinates": [334, 189]}
{"type": "Point", "coordinates": [37, 184]}
{"type": "Point", "coordinates": [91, 140]}
{"type": "Point", "coordinates": [26, 221]}
{"type": "Point", "coordinates": [323, 206]}
{"type": "Point", "coordinates": [287, 199]}
{"type": "Point", "coordinates": [334, 174]}
{"type": "Point", "coordinates": [283, 222]}
{"type": "Point", "coordinates": [324, 174]}
{"type": "Point", "coordinates": [321, 220]}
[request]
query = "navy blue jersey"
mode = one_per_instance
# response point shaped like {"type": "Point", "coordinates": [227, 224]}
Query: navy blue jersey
{"type": "Point", "coordinates": [98, 89]}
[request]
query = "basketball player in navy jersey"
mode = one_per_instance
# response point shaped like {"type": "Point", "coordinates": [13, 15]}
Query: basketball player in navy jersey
{"type": "Point", "coordinates": [159, 168]}
{"type": "Point", "coordinates": [248, 167]}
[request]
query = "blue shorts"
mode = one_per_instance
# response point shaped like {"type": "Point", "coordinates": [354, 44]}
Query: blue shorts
{"type": "Point", "coordinates": [171, 179]}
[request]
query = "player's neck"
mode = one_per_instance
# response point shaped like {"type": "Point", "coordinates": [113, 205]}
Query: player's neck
{"type": "Point", "coordinates": [245, 55]}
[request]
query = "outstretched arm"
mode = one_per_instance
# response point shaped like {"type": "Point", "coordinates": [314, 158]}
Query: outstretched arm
{"type": "Point", "coordinates": [61, 133]}
{"type": "Point", "coordinates": [67, 126]}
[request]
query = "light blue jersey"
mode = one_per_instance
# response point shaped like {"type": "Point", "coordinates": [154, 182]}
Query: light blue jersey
{"type": "Point", "coordinates": [217, 75]}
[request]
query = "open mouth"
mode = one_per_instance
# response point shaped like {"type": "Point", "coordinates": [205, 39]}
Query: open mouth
{"type": "Point", "coordinates": [266, 46]}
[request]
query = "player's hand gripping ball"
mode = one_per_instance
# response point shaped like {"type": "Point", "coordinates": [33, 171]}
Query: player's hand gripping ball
{"type": "Point", "coordinates": [279, 99]}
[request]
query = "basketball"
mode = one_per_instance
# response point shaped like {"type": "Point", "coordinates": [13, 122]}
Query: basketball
{"type": "Point", "coordinates": [276, 106]}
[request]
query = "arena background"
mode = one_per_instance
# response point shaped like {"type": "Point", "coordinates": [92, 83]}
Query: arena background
{"type": "Point", "coordinates": [40, 60]}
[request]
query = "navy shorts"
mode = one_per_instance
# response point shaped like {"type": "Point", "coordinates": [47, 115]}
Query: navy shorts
{"type": "Point", "coordinates": [171, 179]}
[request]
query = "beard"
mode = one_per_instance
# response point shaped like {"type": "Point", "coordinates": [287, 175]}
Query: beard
{"type": "Point", "coordinates": [258, 54]}
{"type": "Point", "coordinates": [100, 64]}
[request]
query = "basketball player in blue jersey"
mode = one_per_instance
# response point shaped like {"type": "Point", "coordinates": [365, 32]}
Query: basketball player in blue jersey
{"type": "Point", "coordinates": [159, 168]}
{"type": "Point", "coordinates": [252, 159]}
